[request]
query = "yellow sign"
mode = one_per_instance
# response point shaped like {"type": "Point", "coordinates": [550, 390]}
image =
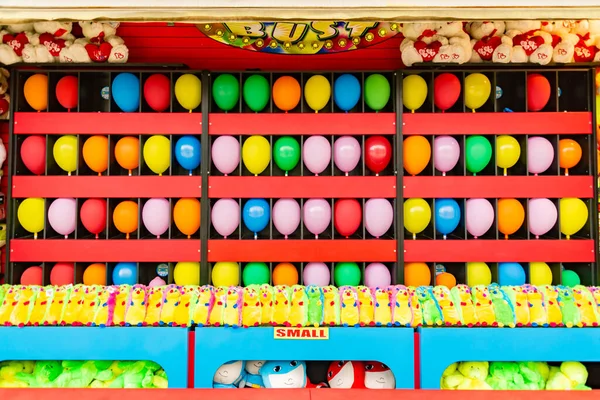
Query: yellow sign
{"type": "Point", "coordinates": [301, 333]}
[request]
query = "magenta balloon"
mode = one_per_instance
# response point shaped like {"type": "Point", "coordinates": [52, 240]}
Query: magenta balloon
{"type": "Point", "coordinates": [62, 216]}
{"type": "Point", "coordinates": [540, 154]}
{"type": "Point", "coordinates": [156, 216]}
{"type": "Point", "coordinates": [377, 275]}
{"type": "Point", "coordinates": [379, 216]}
{"type": "Point", "coordinates": [316, 274]}
{"type": "Point", "coordinates": [446, 152]}
{"type": "Point", "coordinates": [286, 216]}
{"type": "Point", "coordinates": [541, 215]}
{"type": "Point", "coordinates": [479, 216]}
{"type": "Point", "coordinates": [226, 154]}
{"type": "Point", "coordinates": [316, 154]}
{"type": "Point", "coordinates": [346, 153]}
{"type": "Point", "coordinates": [317, 215]}
{"type": "Point", "coordinates": [225, 216]}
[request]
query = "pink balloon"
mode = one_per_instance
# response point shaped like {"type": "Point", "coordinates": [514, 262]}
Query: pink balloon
{"type": "Point", "coordinates": [225, 216]}
{"type": "Point", "coordinates": [226, 154]}
{"type": "Point", "coordinates": [542, 216]}
{"type": "Point", "coordinates": [62, 216]}
{"type": "Point", "coordinates": [317, 216]}
{"type": "Point", "coordinates": [379, 216]}
{"type": "Point", "coordinates": [156, 216]}
{"type": "Point", "coordinates": [479, 216]}
{"type": "Point", "coordinates": [158, 281]}
{"type": "Point", "coordinates": [540, 154]}
{"type": "Point", "coordinates": [346, 153]}
{"type": "Point", "coordinates": [377, 275]}
{"type": "Point", "coordinates": [316, 274]}
{"type": "Point", "coordinates": [286, 216]}
{"type": "Point", "coordinates": [446, 152]}
{"type": "Point", "coordinates": [316, 154]}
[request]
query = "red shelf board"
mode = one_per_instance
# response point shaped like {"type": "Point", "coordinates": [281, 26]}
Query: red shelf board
{"type": "Point", "coordinates": [106, 186]}
{"type": "Point", "coordinates": [105, 123]}
{"type": "Point", "coordinates": [302, 186]}
{"type": "Point", "coordinates": [118, 250]}
{"type": "Point", "coordinates": [498, 186]}
{"type": "Point", "coordinates": [542, 123]}
{"type": "Point", "coordinates": [303, 124]}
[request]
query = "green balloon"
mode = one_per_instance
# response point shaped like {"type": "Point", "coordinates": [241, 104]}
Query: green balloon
{"type": "Point", "coordinates": [478, 153]}
{"type": "Point", "coordinates": [256, 273]}
{"type": "Point", "coordinates": [377, 91]}
{"type": "Point", "coordinates": [570, 278]}
{"type": "Point", "coordinates": [346, 274]}
{"type": "Point", "coordinates": [257, 92]}
{"type": "Point", "coordinates": [286, 153]}
{"type": "Point", "coordinates": [226, 91]}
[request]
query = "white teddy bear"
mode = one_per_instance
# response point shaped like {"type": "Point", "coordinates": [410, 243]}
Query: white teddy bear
{"type": "Point", "coordinates": [18, 28]}
{"type": "Point", "coordinates": [75, 53]}
{"type": "Point", "coordinates": [458, 49]}
{"type": "Point", "coordinates": [530, 42]}
{"type": "Point", "coordinates": [586, 49]}
{"type": "Point", "coordinates": [563, 41]}
{"type": "Point", "coordinates": [98, 30]}
{"type": "Point", "coordinates": [421, 43]}
{"type": "Point", "coordinates": [59, 30]}
{"type": "Point", "coordinates": [489, 42]}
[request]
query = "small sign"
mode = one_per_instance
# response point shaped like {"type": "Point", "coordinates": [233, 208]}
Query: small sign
{"type": "Point", "coordinates": [105, 93]}
{"type": "Point", "coordinates": [162, 270]}
{"type": "Point", "coordinates": [439, 269]}
{"type": "Point", "coordinates": [499, 92]}
{"type": "Point", "coordinates": [301, 333]}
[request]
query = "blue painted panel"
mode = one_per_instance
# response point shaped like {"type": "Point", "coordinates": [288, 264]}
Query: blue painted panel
{"type": "Point", "coordinates": [165, 346]}
{"type": "Point", "coordinates": [391, 346]}
{"type": "Point", "coordinates": [440, 347]}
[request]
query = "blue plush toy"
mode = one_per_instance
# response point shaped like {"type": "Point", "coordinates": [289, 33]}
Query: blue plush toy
{"type": "Point", "coordinates": [284, 374]}
{"type": "Point", "coordinates": [229, 375]}
{"type": "Point", "coordinates": [252, 379]}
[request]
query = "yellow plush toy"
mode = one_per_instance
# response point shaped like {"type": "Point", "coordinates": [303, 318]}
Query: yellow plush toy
{"type": "Point", "coordinates": [475, 374]}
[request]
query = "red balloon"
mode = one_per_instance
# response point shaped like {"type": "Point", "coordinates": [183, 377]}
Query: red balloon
{"type": "Point", "coordinates": [67, 92]}
{"type": "Point", "coordinates": [347, 215]}
{"type": "Point", "coordinates": [62, 274]}
{"type": "Point", "coordinates": [378, 153]}
{"type": "Point", "coordinates": [157, 92]}
{"type": "Point", "coordinates": [538, 92]}
{"type": "Point", "coordinates": [446, 91]}
{"type": "Point", "coordinates": [33, 154]}
{"type": "Point", "coordinates": [32, 276]}
{"type": "Point", "coordinates": [93, 215]}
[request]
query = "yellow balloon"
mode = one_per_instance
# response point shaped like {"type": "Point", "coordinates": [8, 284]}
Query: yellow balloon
{"type": "Point", "coordinates": [478, 273]}
{"type": "Point", "coordinates": [477, 90]}
{"type": "Point", "coordinates": [417, 215]}
{"type": "Point", "coordinates": [508, 151]}
{"type": "Point", "coordinates": [31, 215]}
{"type": "Point", "coordinates": [187, 273]}
{"type": "Point", "coordinates": [573, 216]}
{"type": "Point", "coordinates": [317, 92]}
{"type": "Point", "coordinates": [256, 154]}
{"type": "Point", "coordinates": [540, 273]}
{"type": "Point", "coordinates": [65, 152]}
{"type": "Point", "coordinates": [188, 91]}
{"type": "Point", "coordinates": [414, 92]}
{"type": "Point", "coordinates": [157, 153]}
{"type": "Point", "coordinates": [226, 274]}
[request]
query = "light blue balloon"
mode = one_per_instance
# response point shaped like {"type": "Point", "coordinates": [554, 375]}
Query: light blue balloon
{"type": "Point", "coordinates": [346, 92]}
{"type": "Point", "coordinates": [256, 215]}
{"type": "Point", "coordinates": [447, 216]}
{"type": "Point", "coordinates": [187, 152]}
{"type": "Point", "coordinates": [125, 273]}
{"type": "Point", "coordinates": [511, 274]}
{"type": "Point", "coordinates": [126, 92]}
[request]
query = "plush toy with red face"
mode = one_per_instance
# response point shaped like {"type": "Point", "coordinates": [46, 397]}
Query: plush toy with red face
{"type": "Point", "coordinates": [346, 375]}
{"type": "Point", "coordinates": [378, 376]}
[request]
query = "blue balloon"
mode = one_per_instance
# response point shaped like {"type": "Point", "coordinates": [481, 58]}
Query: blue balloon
{"type": "Point", "coordinates": [447, 216]}
{"type": "Point", "coordinates": [346, 92]}
{"type": "Point", "coordinates": [126, 92]}
{"type": "Point", "coordinates": [511, 274]}
{"type": "Point", "coordinates": [256, 215]}
{"type": "Point", "coordinates": [187, 152]}
{"type": "Point", "coordinates": [125, 273]}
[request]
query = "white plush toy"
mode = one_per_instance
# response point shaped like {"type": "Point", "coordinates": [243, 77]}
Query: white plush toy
{"type": "Point", "coordinates": [489, 42]}
{"type": "Point", "coordinates": [98, 30]}
{"type": "Point", "coordinates": [586, 49]}
{"type": "Point", "coordinates": [458, 49]}
{"type": "Point", "coordinates": [18, 28]}
{"type": "Point", "coordinates": [59, 30]}
{"type": "Point", "coordinates": [421, 43]}
{"type": "Point", "coordinates": [530, 42]}
{"type": "Point", "coordinates": [12, 46]}
{"type": "Point", "coordinates": [119, 53]}
{"type": "Point", "coordinates": [563, 41]}
{"type": "Point", "coordinates": [414, 31]}
{"type": "Point", "coordinates": [75, 53]}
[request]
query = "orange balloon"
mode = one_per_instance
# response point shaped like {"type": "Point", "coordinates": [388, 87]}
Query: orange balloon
{"type": "Point", "coordinates": [127, 153]}
{"type": "Point", "coordinates": [95, 153]}
{"type": "Point", "coordinates": [569, 153]}
{"type": "Point", "coordinates": [285, 274]}
{"type": "Point", "coordinates": [95, 274]}
{"type": "Point", "coordinates": [125, 217]}
{"type": "Point", "coordinates": [511, 216]}
{"type": "Point", "coordinates": [186, 214]}
{"type": "Point", "coordinates": [36, 91]}
{"type": "Point", "coordinates": [445, 279]}
{"type": "Point", "coordinates": [416, 154]}
{"type": "Point", "coordinates": [286, 93]}
{"type": "Point", "coordinates": [417, 274]}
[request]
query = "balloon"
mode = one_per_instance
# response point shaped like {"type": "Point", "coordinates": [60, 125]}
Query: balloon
{"type": "Point", "coordinates": [446, 152]}
{"type": "Point", "coordinates": [256, 273]}
{"type": "Point", "coordinates": [256, 154]}
{"type": "Point", "coordinates": [377, 92]}
{"type": "Point", "coordinates": [33, 154]}
{"type": "Point", "coordinates": [573, 216]}
{"type": "Point", "coordinates": [346, 274]}
{"type": "Point", "coordinates": [447, 216]}
{"type": "Point", "coordinates": [286, 153]}
{"type": "Point", "coordinates": [36, 91]}
{"type": "Point", "coordinates": [479, 216]}
{"type": "Point", "coordinates": [316, 154]}
{"type": "Point", "coordinates": [478, 153]}
{"type": "Point", "coordinates": [186, 215]}
{"type": "Point", "coordinates": [286, 93]}
{"type": "Point", "coordinates": [95, 274]}
{"type": "Point", "coordinates": [256, 215]}
{"type": "Point", "coordinates": [569, 154]}
{"type": "Point", "coordinates": [538, 92]}
{"type": "Point", "coordinates": [187, 152]}
{"type": "Point", "coordinates": [95, 153]}
{"type": "Point", "coordinates": [346, 92]}
{"type": "Point", "coordinates": [157, 92]}
{"type": "Point", "coordinates": [570, 278]}
{"type": "Point", "coordinates": [156, 216]}
{"type": "Point", "coordinates": [346, 153]}
{"type": "Point", "coordinates": [446, 91]}
{"type": "Point", "coordinates": [286, 216]}
{"type": "Point", "coordinates": [508, 151]}
{"type": "Point", "coordinates": [157, 282]}
{"type": "Point", "coordinates": [125, 217]}
{"type": "Point", "coordinates": [93, 215]}
{"type": "Point", "coordinates": [187, 273]}
{"type": "Point", "coordinates": [347, 215]}
{"type": "Point", "coordinates": [540, 273]}
{"type": "Point", "coordinates": [67, 92]}
{"type": "Point", "coordinates": [541, 216]}
{"type": "Point", "coordinates": [317, 216]}
{"type": "Point", "coordinates": [377, 275]}
{"type": "Point", "coordinates": [285, 274]}
{"type": "Point", "coordinates": [378, 153]}
{"type": "Point", "coordinates": [125, 273]}
{"type": "Point", "coordinates": [316, 273]}
{"type": "Point", "coordinates": [379, 216]}
{"type": "Point", "coordinates": [540, 154]}
{"type": "Point", "coordinates": [31, 215]}
{"type": "Point", "coordinates": [445, 279]}
{"type": "Point", "coordinates": [511, 274]}
{"type": "Point", "coordinates": [511, 216]}
{"type": "Point", "coordinates": [65, 153]}
{"type": "Point", "coordinates": [417, 215]}
{"type": "Point", "coordinates": [478, 273]}
{"type": "Point", "coordinates": [414, 92]}
{"type": "Point", "coordinates": [32, 276]}
{"type": "Point", "coordinates": [477, 90]}
{"type": "Point", "coordinates": [226, 154]}
{"type": "Point", "coordinates": [416, 152]}
{"type": "Point", "coordinates": [225, 216]}
{"type": "Point", "coordinates": [62, 274]}
{"type": "Point", "coordinates": [417, 274]}
{"type": "Point", "coordinates": [188, 91]}
{"type": "Point", "coordinates": [226, 274]}
{"type": "Point", "coordinates": [127, 153]}
{"type": "Point", "coordinates": [62, 216]}
{"type": "Point", "coordinates": [226, 91]}
{"type": "Point", "coordinates": [317, 92]}
{"type": "Point", "coordinates": [256, 92]}
{"type": "Point", "coordinates": [126, 92]}
{"type": "Point", "coordinates": [157, 153]}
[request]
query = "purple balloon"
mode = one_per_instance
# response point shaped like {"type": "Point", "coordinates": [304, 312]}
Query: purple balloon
{"type": "Point", "coordinates": [540, 154]}
{"type": "Point", "coordinates": [316, 274]}
{"type": "Point", "coordinates": [286, 216]}
{"type": "Point", "coordinates": [225, 216]}
{"type": "Point", "coordinates": [317, 216]}
{"type": "Point", "coordinates": [316, 154]}
{"type": "Point", "coordinates": [156, 216]}
{"type": "Point", "coordinates": [379, 216]}
{"type": "Point", "coordinates": [62, 216]}
{"type": "Point", "coordinates": [542, 216]}
{"type": "Point", "coordinates": [346, 153]}
{"type": "Point", "coordinates": [226, 154]}
{"type": "Point", "coordinates": [377, 275]}
{"type": "Point", "coordinates": [479, 216]}
{"type": "Point", "coordinates": [446, 152]}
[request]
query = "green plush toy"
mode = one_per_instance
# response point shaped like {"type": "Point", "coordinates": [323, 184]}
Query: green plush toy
{"type": "Point", "coordinates": [10, 370]}
{"type": "Point", "coordinates": [474, 374]}
{"type": "Point", "coordinates": [43, 374]}
{"type": "Point", "coordinates": [535, 374]}
{"type": "Point", "coordinates": [505, 376]}
{"type": "Point", "coordinates": [432, 313]}
{"type": "Point", "coordinates": [570, 311]}
{"type": "Point", "coordinates": [76, 374]}
{"type": "Point", "coordinates": [505, 313]}
{"type": "Point", "coordinates": [315, 305]}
